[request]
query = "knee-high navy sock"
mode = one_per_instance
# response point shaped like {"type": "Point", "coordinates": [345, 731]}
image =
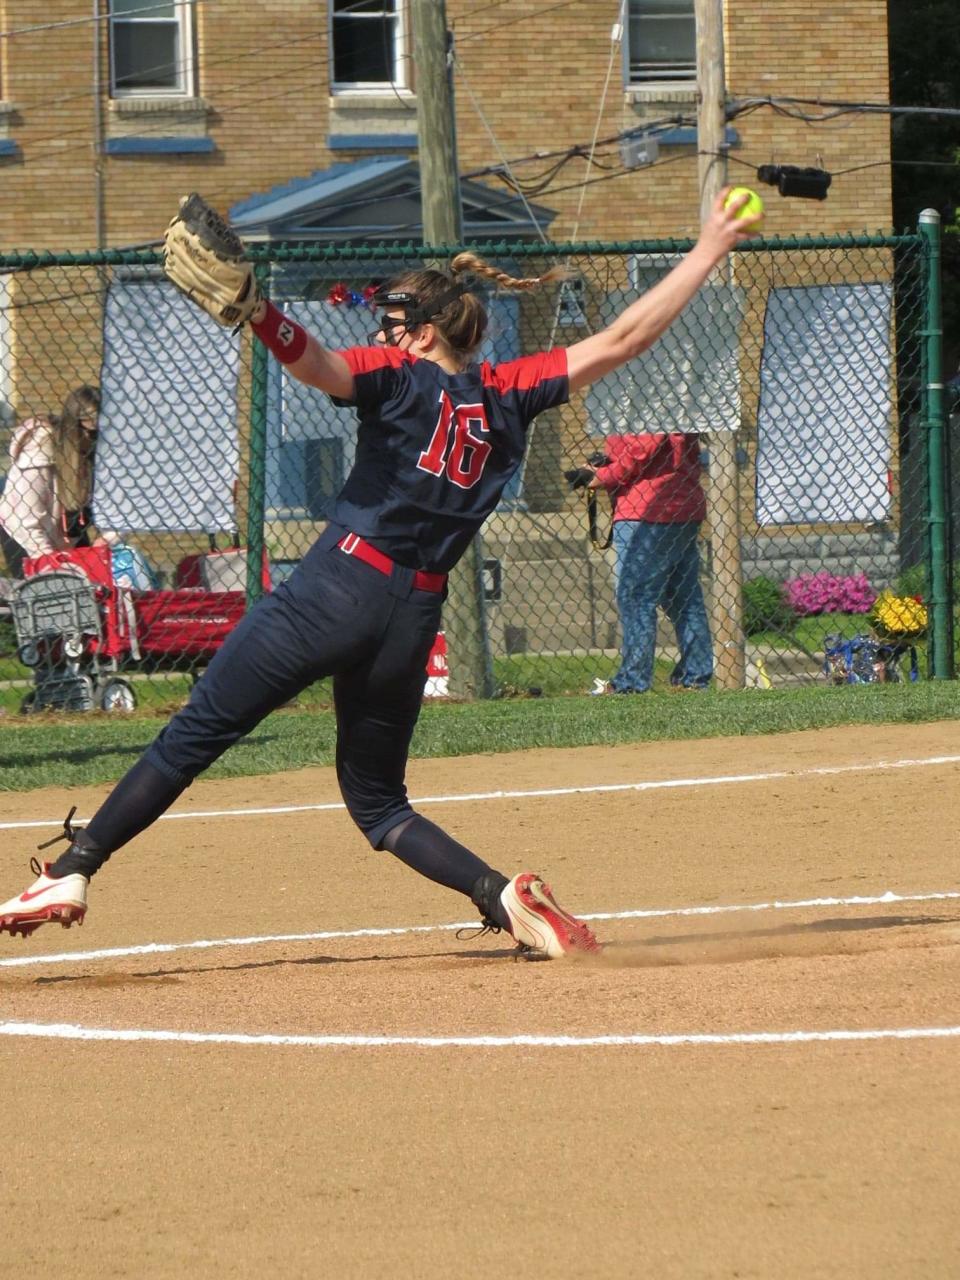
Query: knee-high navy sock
{"type": "Point", "coordinates": [429, 850]}
{"type": "Point", "coordinates": [138, 799]}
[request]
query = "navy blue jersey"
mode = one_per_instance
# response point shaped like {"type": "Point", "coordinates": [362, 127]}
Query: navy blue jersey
{"type": "Point", "coordinates": [435, 449]}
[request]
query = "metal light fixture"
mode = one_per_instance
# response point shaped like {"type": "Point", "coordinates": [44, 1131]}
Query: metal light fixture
{"type": "Point", "coordinates": [809, 184]}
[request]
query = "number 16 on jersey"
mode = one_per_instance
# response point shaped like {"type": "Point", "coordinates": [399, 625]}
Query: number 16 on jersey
{"type": "Point", "coordinates": [454, 449]}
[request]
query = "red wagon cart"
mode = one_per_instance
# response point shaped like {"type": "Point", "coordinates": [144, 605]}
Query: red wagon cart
{"type": "Point", "coordinates": [76, 629]}
{"type": "Point", "coordinates": [81, 633]}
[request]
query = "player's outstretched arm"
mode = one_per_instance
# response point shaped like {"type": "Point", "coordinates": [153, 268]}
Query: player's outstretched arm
{"type": "Point", "coordinates": [301, 353]}
{"type": "Point", "coordinates": [637, 328]}
{"type": "Point", "coordinates": [207, 261]}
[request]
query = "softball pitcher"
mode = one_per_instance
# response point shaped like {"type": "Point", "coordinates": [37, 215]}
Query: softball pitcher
{"type": "Point", "coordinates": [439, 437]}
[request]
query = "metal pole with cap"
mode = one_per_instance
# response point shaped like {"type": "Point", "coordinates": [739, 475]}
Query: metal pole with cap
{"type": "Point", "coordinates": [935, 422]}
{"type": "Point", "coordinates": [726, 609]}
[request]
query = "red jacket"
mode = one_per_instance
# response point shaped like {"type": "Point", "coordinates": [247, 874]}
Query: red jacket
{"type": "Point", "coordinates": [654, 477]}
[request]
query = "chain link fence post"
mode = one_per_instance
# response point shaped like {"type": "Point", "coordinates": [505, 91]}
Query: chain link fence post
{"type": "Point", "coordinates": [257, 459]}
{"type": "Point", "coordinates": [934, 421]}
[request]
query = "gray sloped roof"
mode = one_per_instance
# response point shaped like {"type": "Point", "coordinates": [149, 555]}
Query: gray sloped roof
{"type": "Point", "coordinates": [373, 200]}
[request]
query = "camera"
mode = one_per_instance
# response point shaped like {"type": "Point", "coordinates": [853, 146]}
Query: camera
{"type": "Point", "coordinates": [580, 477]}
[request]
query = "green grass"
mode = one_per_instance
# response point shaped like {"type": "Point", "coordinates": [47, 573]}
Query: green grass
{"type": "Point", "coordinates": [557, 674]}
{"type": "Point", "coordinates": [542, 705]}
{"type": "Point", "coordinates": [808, 633]}
{"type": "Point", "coordinates": [52, 749]}
{"type": "Point", "coordinates": [551, 676]}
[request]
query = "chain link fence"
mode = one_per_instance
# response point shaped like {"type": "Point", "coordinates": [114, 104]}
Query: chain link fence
{"type": "Point", "coordinates": [790, 395]}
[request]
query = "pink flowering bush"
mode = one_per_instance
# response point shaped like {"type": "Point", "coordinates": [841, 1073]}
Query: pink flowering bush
{"type": "Point", "coordinates": [813, 593]}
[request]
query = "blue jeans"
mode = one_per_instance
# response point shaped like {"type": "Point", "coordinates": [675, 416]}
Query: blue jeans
{"type": "Point", "coordinates": [660, 564]}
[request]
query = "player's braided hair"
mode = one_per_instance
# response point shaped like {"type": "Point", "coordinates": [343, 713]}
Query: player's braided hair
{"type": "Point", "coordinates": [462, 322]}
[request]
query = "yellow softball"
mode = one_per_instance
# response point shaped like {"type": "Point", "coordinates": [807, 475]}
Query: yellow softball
{"type": "Point", "coordinates": [752, 209]}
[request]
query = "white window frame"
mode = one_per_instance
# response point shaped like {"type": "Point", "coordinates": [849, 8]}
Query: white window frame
{"type": "Point", "coordinates": [638, 262]}
{"type": "Point", "coordinates": [400, 54]}
{"type": "Point", "coordinates": [684, 76]}
{"type": "Point", "coordinates": [183, 17]}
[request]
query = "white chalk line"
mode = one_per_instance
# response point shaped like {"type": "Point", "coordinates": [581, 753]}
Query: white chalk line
{"type": "Point", "coordinates": [661, 784]}
{"type": "Point", "coordinates": [66, 1031]}
{"type": "Point", "coordinates": [165, 948]}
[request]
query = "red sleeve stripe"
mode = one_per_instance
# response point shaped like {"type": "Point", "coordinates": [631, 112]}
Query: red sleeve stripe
{"type": "Point", "coordinates": [527, 371]}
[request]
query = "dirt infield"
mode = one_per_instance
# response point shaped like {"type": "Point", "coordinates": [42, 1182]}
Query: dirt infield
{"type": "Point", "coordinates": [719, 1095]}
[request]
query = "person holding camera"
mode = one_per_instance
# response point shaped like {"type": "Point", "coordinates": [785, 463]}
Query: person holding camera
{"type": "Point", "coordinates": [658, 507]}
{"type": "Point", "coordinates": [45, 504]}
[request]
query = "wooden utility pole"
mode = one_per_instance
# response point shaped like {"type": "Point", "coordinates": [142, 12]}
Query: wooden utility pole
{"type": "Point", "coordinates": [727, 606]}
{"type": "Point", "coordinates": [471, 672]}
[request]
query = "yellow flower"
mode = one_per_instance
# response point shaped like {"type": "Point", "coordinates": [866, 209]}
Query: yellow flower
{"type": "Point", "coordinates": [899, 615]}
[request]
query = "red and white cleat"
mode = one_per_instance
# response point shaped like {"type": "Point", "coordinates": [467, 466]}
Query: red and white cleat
{"type": "Point", "coordinates": [48, 900]}
{"type": "Point", "coordinates": [540, 924]}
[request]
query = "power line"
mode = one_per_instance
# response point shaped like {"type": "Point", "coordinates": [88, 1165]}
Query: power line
{"type": "Point", "coordinates": [493, 138]}
{"type": "Point", "coordinates": [856, 168]}
{"type": "Point", "coordinates": [513, 200]}
{"type": "Point", "coordinates": [364, 201]}
{"type": "Point", "coordinates": [82, 22]}
{"type": "Point", "coordinates": [615, 38]}
{"type": "Point", "coordinates": [647, 129]}
{"type": "Point", "coordinates": [520, 191]}
{"type": "Point", "coordinates": [357, 6]}
{"type": "Point", "coordinates": [537, 188]}
{"type": "Point", "coordinates": [572, 152]}
{"type": "Point", "coordinates": [879, 164]}
{"type": "Point", "coordinates": [572, 186]}
{"type": "Point", "coordinates": [837, 108]}
{"type": "Point", "coordinates": [523, 18]}
{"type": "Point", "coordinates": [483, 8]}
{"type": "Point", "coordinates": [541, 184]}
{"type": "Point", "coordinates": [397, 229]}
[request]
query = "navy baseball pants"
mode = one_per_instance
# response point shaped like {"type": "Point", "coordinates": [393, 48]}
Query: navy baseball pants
{"type": "Point", "coordinates": [334, 616]}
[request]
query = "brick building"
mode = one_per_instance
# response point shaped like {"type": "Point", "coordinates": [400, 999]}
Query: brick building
{"type": "Point", "coordinates": [104, 122]}
{"type": "Point", "coordinates": [299, 117]}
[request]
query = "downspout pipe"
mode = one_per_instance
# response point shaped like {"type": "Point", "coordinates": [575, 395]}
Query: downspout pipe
{"type": "Point", "coordinates": [98, 177]}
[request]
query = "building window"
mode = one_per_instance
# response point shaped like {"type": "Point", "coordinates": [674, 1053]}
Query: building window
{"type": "Point", "coordinates": [647, 269]}
{"type": "Point", "coordinates": [367, 45]}
{"type": "Point", "coordinates": [151, 48]}
{"type": "Point", "coordinates": [662, 42]}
